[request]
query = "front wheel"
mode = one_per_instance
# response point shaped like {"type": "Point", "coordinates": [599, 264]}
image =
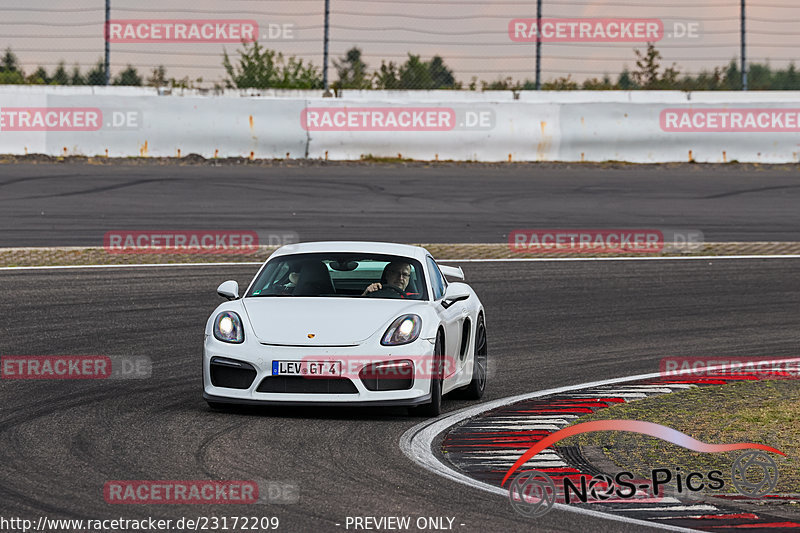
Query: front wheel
{"type": "Point", "coordinates": [434, 408]}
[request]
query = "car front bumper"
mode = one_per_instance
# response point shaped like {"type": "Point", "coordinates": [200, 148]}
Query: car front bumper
{"type": "Point", "coordinates": [261, 357]}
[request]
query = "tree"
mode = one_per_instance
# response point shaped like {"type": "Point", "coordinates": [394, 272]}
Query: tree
{"type": "Point", "coordinates": [76, 78]}
{"type": "Point", "coordinates": [759, 77]}
{"type": "Point", "coordinates": [11, 78]}
{"type": "Point", "coordinates": [260, 68]}
{"type": "Point", "coordinates": [624, 82]}
{"type": "Point", "coordinates": [158, 77]}
{"type": "Point", "coordinates": [787, 80]}
{"type": "Point", "coordinates": [564, 83]}
{"type": "Point", "coordinates": [414, 74]}
{"type": "Point", "coordinates": [418, 74]}
{"type": "Point", "coordinates": [9, 62]}
{"type": "Point", "coordinates": [296, 75]}
{"type": "Point", "coordinates": [129, 76]}
{"type": "Point", "coordinates": [184, 83]}
{"type": "Point", "coordinates": [441, 75]}
{"type": "Point", "coordinates": [508, 84]}
{"type": "Point", "coordinates": [10, 73]}
{"type": "Point", "coordinates": [97, 76]}
{"type": "Point", "coordinates": [704, 81]}
{"type": "Point", "coordinates": [256, 67]}
{"type": "Point", "coordinates": [39, 77]}
{"type": "Point", "coordinates": [648, 76]}
{"type": "Point", "coordinates": [595, 84]}
{"type": "Point", "coordinates": [60, 76]}
{"type": "Point", "coordinates": [387, 76]}
{"type": "Point", "coordinates": [733, 77]}
{"type": "Point", "coordinates": [500, 84]}
{"type": "Point", "coordinates": [352, 71]}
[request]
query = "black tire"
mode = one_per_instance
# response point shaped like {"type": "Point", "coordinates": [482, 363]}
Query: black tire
{"type": "Point", "coordinates": [476, 387]}
{"type": "Point", "coordinates": [434, 408]}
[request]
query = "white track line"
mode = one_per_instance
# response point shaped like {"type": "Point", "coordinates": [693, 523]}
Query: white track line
{"type": "Point", "coordinates": [416, 443]}
{"type": "Point", "coordinates": [658, 258]}
{"type": "Point", "coordinates": [143, 265]}
{"type": "Point", "coordinates": [508, 260]}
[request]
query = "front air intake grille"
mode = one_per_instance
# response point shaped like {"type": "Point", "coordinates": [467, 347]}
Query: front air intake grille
{"type": "Point", "coordinates": [301, 385]}
{"type": "Point", "coordinates": [388, 375]}
{"type": "Point", "coordinates": [231, 374]}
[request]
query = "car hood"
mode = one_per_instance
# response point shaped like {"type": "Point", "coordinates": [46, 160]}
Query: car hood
{"type": "Point", "coordinates": [297, 321]}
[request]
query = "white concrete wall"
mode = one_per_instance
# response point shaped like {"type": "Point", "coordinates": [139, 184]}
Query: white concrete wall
{"type": "Point", "coordinates": [491, 126]}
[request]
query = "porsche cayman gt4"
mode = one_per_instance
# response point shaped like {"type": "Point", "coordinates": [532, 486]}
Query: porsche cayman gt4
{"type": "Point", "coordinates": [347, 323]}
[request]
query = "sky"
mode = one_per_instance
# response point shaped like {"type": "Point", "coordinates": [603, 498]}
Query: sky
{"type": "Point", "coordinates": [471, 36]}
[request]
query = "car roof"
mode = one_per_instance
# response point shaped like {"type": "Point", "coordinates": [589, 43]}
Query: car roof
{"type": "Point", "coordinates": [388, 248]}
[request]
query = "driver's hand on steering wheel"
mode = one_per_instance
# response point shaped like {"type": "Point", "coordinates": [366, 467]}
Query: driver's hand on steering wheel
{"type": "Point", "coordinates": [372, 288]}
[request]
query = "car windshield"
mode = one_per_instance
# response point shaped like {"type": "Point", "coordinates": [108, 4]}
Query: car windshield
{"type": "Point", "coordinates": [354, 275]}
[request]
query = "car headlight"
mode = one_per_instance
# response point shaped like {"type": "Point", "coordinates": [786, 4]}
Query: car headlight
{"type": "Point", "coordinates": [228, 327]}
{"type": "Point", "coordinates": [402, 331]}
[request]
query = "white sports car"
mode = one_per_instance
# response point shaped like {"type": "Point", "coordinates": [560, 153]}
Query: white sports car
{"type": "Point", "coordinates": [347, 323]}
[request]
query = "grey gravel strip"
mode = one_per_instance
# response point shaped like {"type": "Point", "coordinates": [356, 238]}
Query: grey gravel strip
{"type": "Point", "coordinates": [79, 255]}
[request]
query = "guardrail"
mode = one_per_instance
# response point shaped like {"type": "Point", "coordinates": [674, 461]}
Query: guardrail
{"type": "Point", "coordinates": [637, 126]}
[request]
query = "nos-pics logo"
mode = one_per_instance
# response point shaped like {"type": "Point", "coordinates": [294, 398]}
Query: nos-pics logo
{"type": "Point", "coordinates": [533, 493]}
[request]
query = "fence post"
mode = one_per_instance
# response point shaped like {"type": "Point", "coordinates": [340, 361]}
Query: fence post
{"type": "Point", "coordinates": [539, 44]}
{"type": "Point", "coordinates": [325, 49]}
{"type": "Point", "coordinates": [744, 50]}
{"type": "Point", "coordinates": [108, 46]}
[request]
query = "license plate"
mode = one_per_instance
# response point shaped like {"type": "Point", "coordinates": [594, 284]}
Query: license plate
{"type": "Point", "coordinates": [314, 369]}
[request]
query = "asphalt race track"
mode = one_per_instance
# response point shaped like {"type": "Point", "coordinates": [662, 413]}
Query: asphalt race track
{"type": "Point", "coordinates": [74, 204]}
{"type": "Point", "coordinates": [550, 324]}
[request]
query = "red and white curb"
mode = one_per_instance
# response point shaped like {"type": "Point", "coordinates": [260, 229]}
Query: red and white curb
{"type": "Point", "coordinates": [506, 436]}
{"type": "Point", "coordinates": [417, 444]}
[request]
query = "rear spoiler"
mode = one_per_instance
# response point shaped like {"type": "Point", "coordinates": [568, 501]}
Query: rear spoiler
{"type": "Point", "coordinates": [452, 272]}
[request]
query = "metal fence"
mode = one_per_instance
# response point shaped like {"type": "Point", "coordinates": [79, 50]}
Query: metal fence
{"type": "Point", "coordinates": [414, 44]}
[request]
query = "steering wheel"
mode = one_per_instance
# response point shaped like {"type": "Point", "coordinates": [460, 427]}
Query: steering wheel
{"type": "Point", "coordinates": [388, 289]}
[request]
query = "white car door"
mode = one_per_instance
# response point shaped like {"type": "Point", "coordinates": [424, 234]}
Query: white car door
{"type": "Point", "coordinates": [452, 318]}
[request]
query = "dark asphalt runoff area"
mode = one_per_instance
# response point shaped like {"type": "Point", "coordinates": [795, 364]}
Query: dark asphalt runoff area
{"type": "Point", "coordinates": [549, 324]}
{"type": "Point", "coordinates": [75, 204]}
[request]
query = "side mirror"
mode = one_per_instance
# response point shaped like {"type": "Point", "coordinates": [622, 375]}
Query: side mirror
{"type": "Point", "coordinates": [229, 289]}
{"type": "Point", "coordinates": [455, 292]}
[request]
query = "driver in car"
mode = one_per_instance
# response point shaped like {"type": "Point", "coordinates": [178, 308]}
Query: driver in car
{"type": "Point", "coordinates": [294, 278]}
{"type": "Point", "coordinates": [396, 275]}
